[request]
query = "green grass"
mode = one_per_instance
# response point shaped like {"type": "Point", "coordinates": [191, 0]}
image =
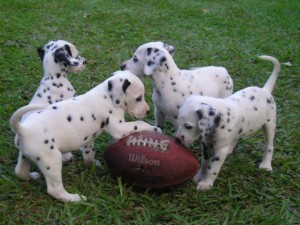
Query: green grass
{"type": "Point", "coordinates": [226, 33]}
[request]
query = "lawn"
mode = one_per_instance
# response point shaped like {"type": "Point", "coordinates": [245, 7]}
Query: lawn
{"type": "Point", "coordinates": [225, 33]}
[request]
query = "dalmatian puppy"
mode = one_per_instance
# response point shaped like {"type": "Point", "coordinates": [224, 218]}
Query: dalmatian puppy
{"type": "Point", "coordinates": [67, 125]}
{"type": "Point", "coordinates": [221, 122]}
{"type": "Point", "coordinates": [59, 59]}
{"type": "Point", "coordinates": [172, 85]}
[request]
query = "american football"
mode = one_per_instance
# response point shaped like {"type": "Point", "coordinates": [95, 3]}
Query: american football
{"type": "Point", "coordinates": [151, 160]}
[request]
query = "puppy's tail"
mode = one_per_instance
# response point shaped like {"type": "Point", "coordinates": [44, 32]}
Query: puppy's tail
{"type": "Point", "coordinates": [17, 116]}
{"type": "Point", "coordinates": [272, 80]}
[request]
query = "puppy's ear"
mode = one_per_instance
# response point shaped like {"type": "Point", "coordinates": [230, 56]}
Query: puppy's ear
{"type": "Point", "coordinates": [169, 48]}
{"type": "Point", "coordinates": [117, 88]}
{"type": "Point", "coordinates": [41, 52]}
{"type": "Point", "coordinates": [155, 58]}
{"type": "Point", "coordinates": [126, 84]}
{"type": "Point", "coordinates": [64, 55]}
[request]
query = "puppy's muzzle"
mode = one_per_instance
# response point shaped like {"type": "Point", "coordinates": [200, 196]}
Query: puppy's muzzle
{"type": "Point", "coordinates": [123, 66]}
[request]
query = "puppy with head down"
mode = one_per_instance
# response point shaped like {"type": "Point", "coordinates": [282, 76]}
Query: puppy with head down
{"type": "Point", "coordinates": [221, 122]}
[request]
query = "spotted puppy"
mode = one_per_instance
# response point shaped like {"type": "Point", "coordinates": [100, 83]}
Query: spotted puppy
{"type": "Point", "coordinates": [221, 122]}
{"type": "Point", "coordinates": [59, 59]}
{"type": "Point", "coordinates": [67, 125]}
{"type": "Point", "coordinates": [172, 85]}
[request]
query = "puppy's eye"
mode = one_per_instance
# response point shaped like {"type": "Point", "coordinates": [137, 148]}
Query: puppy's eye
{"type": "Point", "coordinates": [139, 99]}
{"type": "Point", "coordinates": [188, 127]}
{"type": "Point", "coordinates": [135, 59]}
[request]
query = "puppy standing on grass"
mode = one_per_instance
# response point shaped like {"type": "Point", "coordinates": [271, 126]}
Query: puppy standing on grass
{"type": "Point", "coordinates": [59, 59]}
{"type": "Point", "coordinates": [172, 85]}
{"type": "Point", "coordinates": [67, 125]}
{"type": "Point", "coordinates": [221, 122]}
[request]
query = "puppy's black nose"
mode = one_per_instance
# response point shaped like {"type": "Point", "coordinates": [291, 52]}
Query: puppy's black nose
{"type": "Point", "coordinates": [123, 66]}
{"type": "Point", "coordinates": [148, 112]}
{"type": "Point", "coordinates": [178, 140]}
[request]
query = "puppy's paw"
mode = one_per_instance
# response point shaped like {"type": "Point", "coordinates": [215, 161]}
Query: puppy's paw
{"type": "Point", "coordinates": [204, 186]}
{"type": "Point", "coordinates": [35, 175]}
{"type": "Point", "coordinates": [95, 162]}
{"type": "Point", "coordinates": [197, 177]}
{"type": "Point", "coordinates": [265, 166]}
{"type": "Point", "coordinates": [157, 129]}
{"type": "Point", "coordinates": [67, 157]}
{"type": "Point", "coordinates": [74, 198]}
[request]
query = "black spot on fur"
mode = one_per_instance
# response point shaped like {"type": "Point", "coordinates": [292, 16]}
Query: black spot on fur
{"type": "Point", "coordinates": [102, 124]}
{"type": "Point", "coordinates": [117, 101]}
{"type": "Point", "coordinates": [149, 50]}
{"type": "Point", "coordinates": [93, 116]}
{"type": "Point", "coordinates": [46, 141]}
{"type": "Point", "coordinates": [54, 107]}
{"type": "Point", "coordinates": [163, 59]}
{"type": "Point", "coordinates": [69, 118]}
{"type": "Point", "coordinates": [149, 63]}
{"type": "Point", "coordinates": [255, 108]}
{"type": "Point", "coordinates": [85, 138]}
{"type": "Point", "coordinates": [199, 114]}
{"type": "Point", "coordinates": [269, 101]}
{"type": "Point", "coordinates": [135, 127]}
{"type": "Point", "coordinates": [217, 120]}
{"type": "Point", "coordinates": [240, 131]}
{"type": "Point", "coordinates": [110, 86]}
{"type": "Point", "coordinates": [211, 113]}
{"type": "Point", "coordinates": [107, 121]}
{"type": "Point", "coordinates": [252, 98]}
{"type": "Point", "coordinates": [205, 153]}
{"type": "Point", "coordinates": [58, 75]}
{"type": "Point", "coordinates": [67, 47]}
{"type": "Point", "coordinates": [81, 118]}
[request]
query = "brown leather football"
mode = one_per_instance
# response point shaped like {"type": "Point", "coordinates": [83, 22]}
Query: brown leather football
{"type": "Point", "coordinates": [151, 160]}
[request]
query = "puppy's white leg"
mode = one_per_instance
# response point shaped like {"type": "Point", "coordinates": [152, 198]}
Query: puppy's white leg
{"type": "Point", "coordinates": [269, 133]}
{"type": "Point", "coordinates": [232, 146]}
{"type": "Point", "coordinates": [23, 167]}
{"type": "Point", "coordinates": [205, 162]}
{"type": "Point", "coordinates": [213, 169]}
{"type": "Point", "coordinates": [51, 165]}
{"type": "Point", "coordinates": [126, 128]}
{"type": "Point", "coordinates": [67, 157]}
{"type": "Point", "coordinates": [88, 154]}
{"type": "Point", "coordinates": [160, 118]}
